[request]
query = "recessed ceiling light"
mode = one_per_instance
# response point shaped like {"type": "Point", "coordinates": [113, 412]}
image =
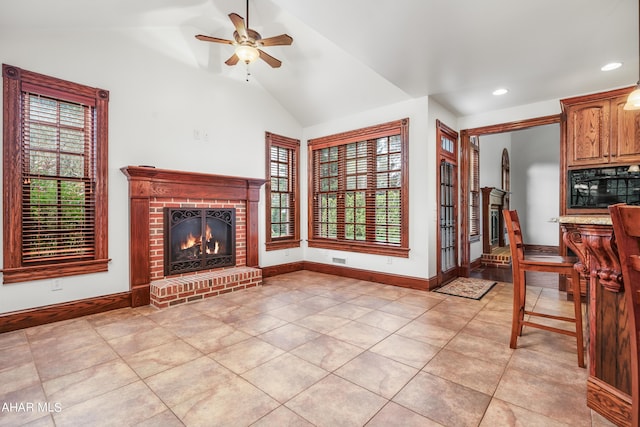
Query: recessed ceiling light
{"type": "Point", "coordinates": [611, 66]}
{"type": "Point", "coordinates": [500, 91]}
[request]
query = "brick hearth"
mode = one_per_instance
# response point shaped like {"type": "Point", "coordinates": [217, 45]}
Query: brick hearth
{"type": "Point", "coordinates": [179, 290]}
{"type": "Point", "coordinates": [499, 257]}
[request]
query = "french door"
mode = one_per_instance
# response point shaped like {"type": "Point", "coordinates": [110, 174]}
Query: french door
{"type": "Point", "coordinates": [447, 194]}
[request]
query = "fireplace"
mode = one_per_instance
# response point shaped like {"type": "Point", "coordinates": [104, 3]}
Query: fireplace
{"type": "Point", "coordinates": [151, 191]}
{"type": "Point", "coordinates": [199, 239]}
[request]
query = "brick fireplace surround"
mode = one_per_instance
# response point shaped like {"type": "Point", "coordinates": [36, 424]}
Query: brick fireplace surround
{"type": "Point", "coordinates": [150, 191]}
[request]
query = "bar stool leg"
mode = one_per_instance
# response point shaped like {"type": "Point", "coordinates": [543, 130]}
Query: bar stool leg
{"type": "Point", "coordinates": [518, 311]}
{"type": "Point", "coordinates": [577, 305]}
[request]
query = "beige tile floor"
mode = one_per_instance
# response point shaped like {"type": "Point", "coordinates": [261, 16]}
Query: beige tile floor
{"type": "Point", "coordinates": [305, 349]}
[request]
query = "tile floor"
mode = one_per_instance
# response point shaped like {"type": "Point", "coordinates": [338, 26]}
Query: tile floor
{"type": "Point", "coordinates": [305, 349]}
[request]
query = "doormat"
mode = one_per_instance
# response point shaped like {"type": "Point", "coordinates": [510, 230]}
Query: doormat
{"type": "Point", "coordinates": [467, 287]}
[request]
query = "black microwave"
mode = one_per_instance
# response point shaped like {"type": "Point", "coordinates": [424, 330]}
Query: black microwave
{"type": "Point", "coordinates": [601, 187]}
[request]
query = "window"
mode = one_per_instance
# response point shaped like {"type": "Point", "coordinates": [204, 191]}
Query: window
{"type": "Point", "coordinates": [55, 187]}
{"type": "Point", "coordinates": [474, 188]}
{"type": "Point", "coordinates": [359, 190]}
{"type": "Point", "coordinates": [282, 193]}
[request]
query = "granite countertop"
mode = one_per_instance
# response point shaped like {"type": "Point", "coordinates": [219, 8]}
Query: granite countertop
{"type": "Point", "coordinates": [585, 219]}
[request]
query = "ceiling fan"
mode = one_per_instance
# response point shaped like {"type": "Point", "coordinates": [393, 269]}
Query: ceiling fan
{"type": "Point", "coordinates": [248, 42]}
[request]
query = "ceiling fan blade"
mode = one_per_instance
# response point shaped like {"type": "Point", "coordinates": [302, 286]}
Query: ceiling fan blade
{"type": "Point", "coordinates": [213, 39]}
{"type": "Point", "coordinates": [238, 22]}
{"type": "Point", "coordinates": [269, 59]}
{"type": "Point", "coordinates": [233, 60]}
{"type": "Point", "coordinates": [282, 39]}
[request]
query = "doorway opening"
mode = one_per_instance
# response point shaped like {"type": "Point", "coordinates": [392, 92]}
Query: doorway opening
{"type": "Point", "coordinates": [468, 254]}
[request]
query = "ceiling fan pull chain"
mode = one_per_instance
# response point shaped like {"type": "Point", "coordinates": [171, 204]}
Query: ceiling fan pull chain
{"type": "Point", "coordinates": [248, 73]}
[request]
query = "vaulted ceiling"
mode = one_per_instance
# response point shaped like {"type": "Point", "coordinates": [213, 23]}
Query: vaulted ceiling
{"type": "Point", "coordinates": [350, 56]}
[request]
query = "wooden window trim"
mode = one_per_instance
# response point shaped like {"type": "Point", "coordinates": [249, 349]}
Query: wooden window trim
{"type": "Point", "coordinates": [272, 139]}
{"type": "Point", "coordinates": [14, 80]}
{"type": "Point", "coordinates": [398, 127]}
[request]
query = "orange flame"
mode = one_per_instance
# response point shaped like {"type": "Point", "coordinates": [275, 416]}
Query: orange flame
{"type": "Point", "coordinates": [190, 241]}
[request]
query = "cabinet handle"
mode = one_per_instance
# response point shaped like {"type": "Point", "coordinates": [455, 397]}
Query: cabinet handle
{"type": "Point", "coordinates": [613, 155]}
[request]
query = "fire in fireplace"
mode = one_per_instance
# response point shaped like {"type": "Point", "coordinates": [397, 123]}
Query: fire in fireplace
{"type": "Point", "coordinates": [198, 239]}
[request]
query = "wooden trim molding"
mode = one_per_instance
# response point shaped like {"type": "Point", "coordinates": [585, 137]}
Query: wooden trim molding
{"type": "Point", "coordinates": [65, 311]}
{"type": "Point", "coordinates": [353, 273]}
{"type": "Point", "coordinates": [275, 270]}
{"type": "Point", "coordinates": [147, 182]}
{"type": "Point", "coordinates": [609, 402]}
{"type": "Point", "coordinates": [373, 276]}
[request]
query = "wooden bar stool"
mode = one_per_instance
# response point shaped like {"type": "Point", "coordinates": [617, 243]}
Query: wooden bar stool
{"type": "Point", "coordinates": [626, 229]}
{"type": "Point", "coordinates": [522, 263]}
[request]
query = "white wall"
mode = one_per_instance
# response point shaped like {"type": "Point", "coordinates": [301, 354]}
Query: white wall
{"type": "Point", "coordinates": [158, 97]}
{"type": "Point", "coordinates": [522, 112]}
{"type": "Point", "coordinates": [491, 147]}
{"type": "Point", "coordinates": [535, 182]}
{"type": "Point", "coordinates": [420, 204]}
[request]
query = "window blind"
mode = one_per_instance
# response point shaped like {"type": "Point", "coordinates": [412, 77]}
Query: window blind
{"type": "Point", "coordinates": [358, 191]}
{"type": "Point", "coordinates": [283, 179]}
{"type": "Point", "coordinates": [474, 188]}
{"type": "Point", "coordinates": [58, 179]}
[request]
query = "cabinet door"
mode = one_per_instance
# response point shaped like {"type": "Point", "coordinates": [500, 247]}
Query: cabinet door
{"type": "Point", "coordinates": [625, 133]}
{"type": "Point", "coordinates": [588, 133]}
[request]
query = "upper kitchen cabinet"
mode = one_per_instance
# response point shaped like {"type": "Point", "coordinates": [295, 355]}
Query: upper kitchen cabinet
{"type": "Point", "coordinates": [599, 131]}
{"type": "Point", "coordinates": [625, 132]}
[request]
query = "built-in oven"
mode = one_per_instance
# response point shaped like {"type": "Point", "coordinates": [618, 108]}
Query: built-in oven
{"type": "Point", "coordinates": [601, 187]}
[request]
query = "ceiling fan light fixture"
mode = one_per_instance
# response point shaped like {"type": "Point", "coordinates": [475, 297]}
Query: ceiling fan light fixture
{"type": "Point", "coordinates": [247, 54]}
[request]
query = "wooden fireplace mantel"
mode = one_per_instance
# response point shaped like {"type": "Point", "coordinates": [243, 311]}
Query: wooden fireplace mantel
{"type": "Point", "coordinates": [492, 199]}
{"type": "Point", "coordinates": [147, 182]}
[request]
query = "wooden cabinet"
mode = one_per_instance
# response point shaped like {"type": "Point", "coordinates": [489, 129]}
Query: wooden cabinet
{"type": "Point", "coordinates": [625, 133]}
{"type": "Point", "coordinates": [588, 133]}
{"type": "Point", "coordinates": [599, 132]}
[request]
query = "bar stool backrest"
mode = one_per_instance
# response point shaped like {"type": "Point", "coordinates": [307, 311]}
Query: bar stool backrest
{"type": "Point", "coordinates": [626, 229]}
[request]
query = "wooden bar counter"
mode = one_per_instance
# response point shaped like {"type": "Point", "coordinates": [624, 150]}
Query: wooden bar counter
{"type": "Point", "coordinates": [609, 384]}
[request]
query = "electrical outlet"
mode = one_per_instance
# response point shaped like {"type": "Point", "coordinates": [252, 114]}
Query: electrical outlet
{"type": "Point", "coordinates": [56, 285]}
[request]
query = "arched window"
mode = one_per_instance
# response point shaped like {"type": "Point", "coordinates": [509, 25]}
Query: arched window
{"type": "Point", "coordinates": [506, 183]}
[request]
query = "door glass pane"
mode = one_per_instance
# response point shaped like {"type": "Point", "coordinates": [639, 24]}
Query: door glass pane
{"type": "Point", "coordinates": [447, 217]}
